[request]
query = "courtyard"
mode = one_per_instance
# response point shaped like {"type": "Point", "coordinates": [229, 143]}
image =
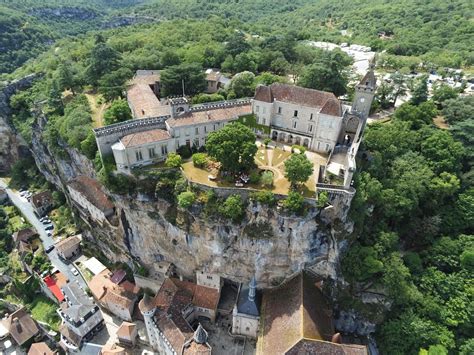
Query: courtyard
{"type": "Point", "coordinates": [271, 158]}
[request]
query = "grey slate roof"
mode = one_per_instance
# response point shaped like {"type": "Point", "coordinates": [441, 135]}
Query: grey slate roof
{"type": "Point", "coordinates": [246, 306]}
{"type": "Point", "coordinates": [79, 303]}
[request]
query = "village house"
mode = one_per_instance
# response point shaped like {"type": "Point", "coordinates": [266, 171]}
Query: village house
{"type": "Point", "coordinates": [215, 81]}
{"type": "Point", "coordinates": [24, 235]}
{"type": "Point", "coordinates": [81, 317]}
{"type": "Point", "coordinates": [88, 197]}
{"type": "Point", "coordinates": [41, 349]}
{"type": "Point", "coordinates": [296, 319]}
{"type": "Point", "coordinates": [42, 203]}
{"type": "Point", "coordinates": [127, 334]}
{"type": "Point", "coordinates": [21, 327]}
{"type": "Point", "coordinates": [69, 247]}
{"type": "Point", "coordinates": [246, 312]}
{"type": "Point", "coordinates": [177, 305]}
{"type": "Point", "coordinates": [114, 293]}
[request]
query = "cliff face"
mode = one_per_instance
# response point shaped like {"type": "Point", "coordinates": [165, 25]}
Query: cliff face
{"type": "Point", "coordinates": [268, 242]}
{"type": "Point", "coordinates": [12, 146]}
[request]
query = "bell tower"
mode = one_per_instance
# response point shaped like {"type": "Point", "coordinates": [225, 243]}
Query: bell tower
{"type": "Point", "coordinates": [364, 95]}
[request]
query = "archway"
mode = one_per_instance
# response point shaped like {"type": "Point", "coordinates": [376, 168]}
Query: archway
{"type": "Point", "coordinates": [274, 135]}
{"type": "Point", "coordinates": [306, 143]}
{"type": "Point", "coordinates": [297, 140]}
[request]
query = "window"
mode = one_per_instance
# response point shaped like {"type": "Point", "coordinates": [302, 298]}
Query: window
{"type": "Point", "coordinates": [311, 117]}
{"type": "Point", "coordinates": [264, 121]}
{"type": "Point", "coordinates": [264, 109]}
{"type": "Point", "coordinates": [205, 129]}
{"type": "Point", "coordinates": [294, 124]}
{"type": "Point", "coordinates": [257, 108]}
{"type": "Point", "coordinates": [209, 277]}
{"type": "Point", "coordinates": [196, 142]}
{"type": "Point", "coordinates": [327, 147]}
{"type": "Point", "coordinates": [310, 128]}
{"type": "Point", "coordinates": [295, 114]}
{"type": "Point", "coordinates": [196, 131]}
{"type": "Point", "coordinates": [279, 110]}
{"type": "Point", "coordinates": [151, 152]}
{"type": "Point", "coordinates": [138, 155]}
{"type": "Point", "coordinates": [164, 149]}
{"type": "Point", "coordinates": [176, 132]}
{"type": "Point", "coordinates": [214, 127]}
{"type": "Point", "coordinates": [187, 131]}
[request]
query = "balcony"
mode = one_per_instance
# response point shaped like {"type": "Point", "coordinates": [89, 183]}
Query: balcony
{"type": "Point", "coordinates": [292, 131]}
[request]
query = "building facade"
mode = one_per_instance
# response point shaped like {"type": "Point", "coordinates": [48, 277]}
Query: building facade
{"type": "Point", "coordinates": [42, 203]}
{"type": "Point", "coordinates": [246, 313]}
{"type": "Point", "coordinates": [69, 247]}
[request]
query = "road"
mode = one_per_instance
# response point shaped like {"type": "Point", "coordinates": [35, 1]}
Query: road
{"type": "Point", "coordinates": [27, 210]}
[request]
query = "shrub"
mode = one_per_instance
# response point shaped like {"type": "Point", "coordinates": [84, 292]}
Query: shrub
{"type": "Point", "coordinates": [199, 160]}
{"type": "Point", "coordinates": [266, 141]}
{"type": "Point", "coordinates": [300, 148]}
{"type": "Point", "coordinates": [323, 199]}
{"type": "Point", "coordinates": [267, 178]}
{"type": "Point", "coordinates": [254, 177]}
{"type": "Point", "coordinates": [185, 151]}
{"type": "Point", "coordinates": [232, 208]}
{"type": "Point", "coordinates": [181, 185]}
{"type": "Point", "coordinates": [294, 202]}
{"type": "Point", "coordinates": [264, 197]}
{"type": "Point", "coordinates": [186, 199]}
{"type": "Point", "coordinates": [173, 160]}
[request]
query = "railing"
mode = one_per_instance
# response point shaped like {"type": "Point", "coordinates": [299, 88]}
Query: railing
{"type": "Point", "coordinates": [123, 126]}
{"type": "Point", "coordinates": [336, 189]}
{"type": "Point", "coordinates": [290, 130]}
{"type": "Point", "coordinates": [220, 104]}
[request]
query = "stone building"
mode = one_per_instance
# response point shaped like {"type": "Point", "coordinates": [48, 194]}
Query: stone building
{"type": "Point", "coordinates": [81, 317]}
{"type": "Point", "coordinates": [88, 197]}
{"type": "Point", "coordinates": [215, 81]}
{"type": "Point", "coordinates": [127, 334]}
{"type": "Point", "coordinates": [69, 247]}
{"type": "Point", "coordinates": [170, 314]}
{"type": "Point", "coordinates": [246, 313]}
{"type": "Point", "coordinates": [41, 349]}
{"type": "Point", "coordinates": [42, 203]}
{"type": "Point", "coordinates": [21, 327]}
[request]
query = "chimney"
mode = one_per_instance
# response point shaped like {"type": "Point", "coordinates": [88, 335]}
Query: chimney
{"type": "Point", "coordinates": [17, 324]}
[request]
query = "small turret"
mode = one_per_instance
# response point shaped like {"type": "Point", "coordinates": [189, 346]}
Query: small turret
{"type": "Point", "coordinates": [146, 305]}
{"type": "Point", "coordinates": [364, 94]}
{"type": "Point", "coordinates": [252, 289]}
{"type": "Point", "coordinates": [200, 335]}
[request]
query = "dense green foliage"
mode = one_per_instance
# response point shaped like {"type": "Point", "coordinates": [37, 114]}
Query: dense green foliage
{"type": "Point", "coordinates": [298, 168]}
{"type": "Point", "coordinates": [117, 112]}
{"type": "Point", "coordinates": [413, 211]}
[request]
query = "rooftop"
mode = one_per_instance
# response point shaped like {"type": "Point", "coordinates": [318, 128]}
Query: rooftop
{"type": "Point", "coordinates": [40, 349]}
{"type": "Point", "coordinates": [42, 198]}
{"type": "Point", "coordinates": [78, 304]}
{"type": "Point", "coordinates": [144, 102]}
{"type": "Point", "coordinates": [24, 235]}
{"type": "Point", "coordinates": [21, 326]}
{"type": "Point", "coordinates": [210, 116]}
{"type": "Point", "coordinates": [113, 349]}
{"type": "Point", "coordinates": [68, 243]}
{"type": "Point", "coordinates": [126, 330]}
{"type": "Point", "coordinates": [137, 139]}
{"type": "Point", "coordinates": [92, 190]}
{"type": "Point", "coordinates": [327, 102]}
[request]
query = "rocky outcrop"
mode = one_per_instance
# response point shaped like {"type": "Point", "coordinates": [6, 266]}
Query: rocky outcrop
{"type": "Point", "coordinates": [12, 146]}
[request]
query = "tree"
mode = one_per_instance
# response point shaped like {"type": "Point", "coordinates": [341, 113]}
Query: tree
{"type": "Point", "coordinates": [294, 202]}
{"type": "Point", "coordinates": [385, 94]}
{"type": "Point", "coordinates": [420, 91]}
{"type": "Point", "coordinates": [243, 62]}
{"type": "Point", "coordinates": [442, 93]}
{"type": "Point", "coordinates": [169, 58]}
{"type": "Point", "coordinates": [418, 116]}
{"type": "Point", "coordinates": [199, 160]}
{"type": "Point", "coordinates": [327, 73]}
{"type": "Point", "coordinates": [243, 85]}
{"type": "Point", "coordinates": [67, 77]}
{"type": "Point", "coordinates": [267, 78]}
{"type": "Point", "coordinates": [236, 44]}
{"type": "Point", "coordinates": [298, 169]}
{"type": "Point", "coordinates": [117, 112]}
{"type": "Point", "coordinates": [267, 178]}
{"type": "Point", "coordinates": [173, 77]}
{"type": "Point", "coordinates": [233, 146]}
{"type": "Point", "coordinates": [186, 199]}
{"type": "Point", "coordinates": [399, 86]}
{"type": "Point", "coordinates": [102, 59]}
{"type": "Point", "coordinates": [112, 85]}
{"type": "Point", "coordinates": [173, 160]}
{"type": "Point", "coordinates": [442, 151]}
{"type": "Point", "coordinates": [233, 208]}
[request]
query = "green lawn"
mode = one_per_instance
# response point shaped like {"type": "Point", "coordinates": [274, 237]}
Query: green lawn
{"type": "Point", "coordinates": [44, 310]}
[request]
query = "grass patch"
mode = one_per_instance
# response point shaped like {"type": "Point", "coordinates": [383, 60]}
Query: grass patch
{"type": "Point", "coordinates": [279, 156]}
{"type": "Point", "coordinates": [44, 310]}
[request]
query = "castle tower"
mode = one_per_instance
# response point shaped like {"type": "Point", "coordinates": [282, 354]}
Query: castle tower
{"type": "Point", "coordinates": [364, 95]}
{"type": "Point", "coordinates": [147, 308]}
{"type": "Point", "coordinates": [200, 335]}
{"type": "Point", "coordinates": [252, 289]}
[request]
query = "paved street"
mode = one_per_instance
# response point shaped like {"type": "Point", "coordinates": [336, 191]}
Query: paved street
{"type": "Point", "coordinates": [27, 210]}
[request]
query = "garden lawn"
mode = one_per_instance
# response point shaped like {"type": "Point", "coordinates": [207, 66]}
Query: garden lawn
{"type": "Point", "coordinates": [44, 310]}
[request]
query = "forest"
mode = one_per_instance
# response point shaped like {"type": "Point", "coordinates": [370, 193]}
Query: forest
{"type": "Point", "coordinates": [413, 241]}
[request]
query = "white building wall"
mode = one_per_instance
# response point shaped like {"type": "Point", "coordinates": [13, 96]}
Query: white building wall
{"type": "Point", "coordinates": [208, 280]}
{"type": "Point", "coordinates": [121, 312]}
{"type": "Point", "coordinates": [245, 325]}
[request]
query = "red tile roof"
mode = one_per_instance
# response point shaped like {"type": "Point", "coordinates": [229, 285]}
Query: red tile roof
{"type": "Point", "coordinates": [210, 116]}
{"type": "Point", "coordinates": [144, 102]}
{"type": "Point", "coordinates": [54, 288]}
{"type": "Point", "coordinates": [40, 349]}
{"type": "Point", "coordinates": [300, 96]}
{"type": "Point", "coordinates": [68, 243]}
{"type": "Point", "coordinates": [137, 139]}
{"type": "Point", "coordinates": [92, 190]}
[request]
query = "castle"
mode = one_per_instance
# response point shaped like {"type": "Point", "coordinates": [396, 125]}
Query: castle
{"type": "Point", "coordinates": [293, 115]}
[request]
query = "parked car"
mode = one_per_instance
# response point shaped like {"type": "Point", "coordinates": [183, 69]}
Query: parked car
{"type": "Point", "coordinates": [49, 249]}
{"type": "Point", "coordinates": [46, 221]}
{"type": "Point", "coordinates": [49, 227]}
{"type": "Point", "coordinates": [49, 234]}
{"type": "Point", "coordinates": [42, 219]}
{"type": "Point", "coordinates": [74, 271]}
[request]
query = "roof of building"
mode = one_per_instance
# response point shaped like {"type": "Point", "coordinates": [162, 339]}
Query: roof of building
{"type": "Point", "coordinates": [24, 234]}
{"type": "Point", "coordinates": [300, 96]}
{"type": "Point", "coordinates": [294, 311]}
{"type": "Point", "coordinates": [149, 77]}
{"type": "Point", "coordinates": [54, 288]}
{"type": "Point", "coordinates": [127, 330]}
{"type": "Point", "coordinates": [137, 139]}
{"type": "Point", "coordinates": [94, 265]}
{"type": "Point", "coordinates": [79, 303]}
{"type": "Point", "coordinates": [246, 305]}
{"type": "Point", "coordinates": [369, 80]}
{"type": "Point", "coordinates": [21, 326]}
{"type": "Point", "coordinates": [210, 116]}
{"type": "Point", "coordinates": [198, 343]}
{"type": "Point", "coordinates": [104, 289]}
{"type": "Point", "coordinates": [42, 198]}
{"type": "Point", "coordinates": [92, 190]}
{"type": "Point", "coordinates": [68, 243]}
{"type": "Point", "coordinates": [118, 276]}
{"type": "Point", "coordinates": [70, 335]}
{"type": "Point", "coordinates": [144, 102]}
{"type": "Point", "coordinates": [146, 304]}
{"type": "Point", "coordinates": [113, 349]}
{"type": "Point", "coordinates": [308, 346]}
{"type": "Point", "coordinates": [40, 349]}
{"type": "Point", "coordinates": [212, 75]}
{"type": "Point", "coordinates": [175, 296]}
